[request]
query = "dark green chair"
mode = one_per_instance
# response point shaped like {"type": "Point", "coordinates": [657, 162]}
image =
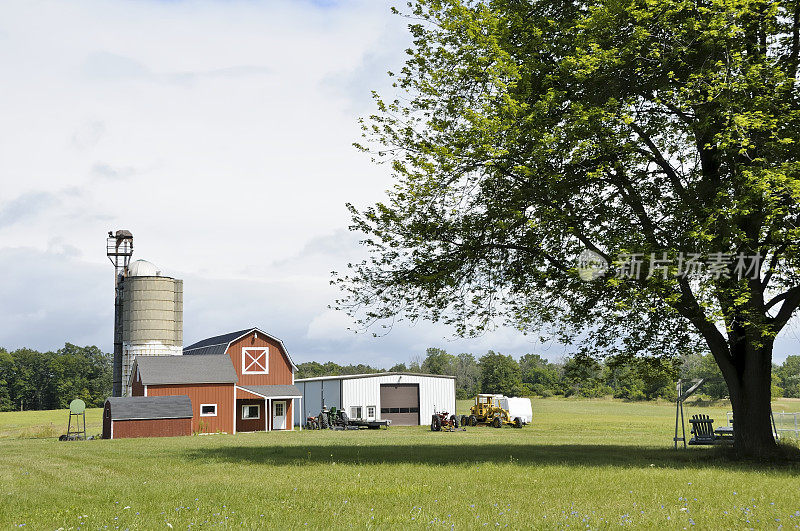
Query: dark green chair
{"type": "Point", "coordinates": [702, 429]}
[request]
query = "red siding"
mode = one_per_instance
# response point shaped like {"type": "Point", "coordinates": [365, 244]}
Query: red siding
{"type": "Point", "coordinates": [280, 370]}
{"type": "Point", "coordinates": [107, 421]}
{"type": "Point", "coordinates": [137, 389]}
{"type": "Point", "coordinates": [241, 393]}
{"type": "Point", "coordinates": [125, 429]}
{"type": "Point", "coordinates": [220, 394]}
{"type": "Point", "coordinates": [250, 424]}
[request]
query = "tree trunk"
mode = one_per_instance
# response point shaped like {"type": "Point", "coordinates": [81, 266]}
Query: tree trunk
{"type": "Point", "coordinates": [750, 388]}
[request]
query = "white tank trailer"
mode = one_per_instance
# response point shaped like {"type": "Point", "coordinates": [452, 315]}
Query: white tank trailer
{"type": "Point", "coordinates": [148, 311]}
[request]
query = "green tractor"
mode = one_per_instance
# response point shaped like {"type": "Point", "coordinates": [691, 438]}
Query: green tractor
{"type": "Point", "coordinates": [486, 412]}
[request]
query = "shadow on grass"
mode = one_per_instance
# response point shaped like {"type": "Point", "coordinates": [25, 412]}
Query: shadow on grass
{"type": "Point", "coordinates": [524, 454]}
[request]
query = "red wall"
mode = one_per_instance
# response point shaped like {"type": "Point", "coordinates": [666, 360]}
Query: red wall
{"type": "Point", "coordinates": [124, 429]}
{"type": "Point", "coordinates": [137, 389]}
{"type": "Point", "coordinates": [220, 394]}
{"type": "Point", "coordinates": [251, 424]}
{"type": "Point", "coordinates": [280, 370]}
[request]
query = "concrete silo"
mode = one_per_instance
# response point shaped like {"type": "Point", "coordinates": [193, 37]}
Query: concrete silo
{"type": "Point", "coordinates": [152, 316]}
{"type": "Point", "coordinates": [148, 310]}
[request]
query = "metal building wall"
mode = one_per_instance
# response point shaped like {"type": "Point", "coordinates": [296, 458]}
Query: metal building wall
{"type": "Point", "coordinates": [152, 320]}
{"type": "Point", "coordinates": [434, 393]}
{"type": "Point", "coordinates": [316, 394]}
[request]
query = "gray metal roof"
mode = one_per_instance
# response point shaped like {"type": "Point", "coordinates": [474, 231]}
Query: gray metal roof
{"type": "Point", "coordinates": [219, 344]}
{"type": "Point", "coordinates": [150, 407]}
{"type": "Point", "coordinates": [165, 370]}
{"type": "Point", "coordinates": [371, 375]}
{"type": "Point", "coordinates": [274, 391]}
{"type": "Point", "coordinates": [215, 345]}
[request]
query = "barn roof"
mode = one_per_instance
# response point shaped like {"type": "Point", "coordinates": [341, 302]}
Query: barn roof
{"type": "Point", "coordinates": [219, 344]}
{"type": "Point", "coordinates": [274, 391]}
{"type": "Point", "coordinates": [150, 407]}
{"type": "Point", "coordinates": [165, 370]}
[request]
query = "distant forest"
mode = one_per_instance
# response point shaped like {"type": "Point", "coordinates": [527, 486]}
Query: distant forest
{"type": "Point", "coordinates": [50, 380]}
{"type": "Point", "coordinates": [629, 378]}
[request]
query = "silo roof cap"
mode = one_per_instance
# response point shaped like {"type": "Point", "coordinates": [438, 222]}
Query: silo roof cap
{"type": "Point", "coordinates": [143, 268]}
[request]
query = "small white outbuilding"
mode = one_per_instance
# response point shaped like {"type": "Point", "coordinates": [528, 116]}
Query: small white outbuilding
{"type": "Point", "coordinates": [407, 399]}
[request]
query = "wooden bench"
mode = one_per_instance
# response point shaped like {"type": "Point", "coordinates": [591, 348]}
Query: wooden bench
{"type": "Point", "coordinates": [703, 430]}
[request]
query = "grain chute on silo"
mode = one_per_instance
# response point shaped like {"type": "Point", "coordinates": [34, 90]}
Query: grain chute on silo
{"type": "Point", "coordinates": [148, 313]}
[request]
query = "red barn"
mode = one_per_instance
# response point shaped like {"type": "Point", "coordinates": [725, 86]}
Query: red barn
{"type": "Point", "coordinates": [242, 381]}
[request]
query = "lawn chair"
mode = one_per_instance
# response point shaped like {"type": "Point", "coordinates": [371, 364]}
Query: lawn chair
{"type": "Point", "coordinates": [703, 430]}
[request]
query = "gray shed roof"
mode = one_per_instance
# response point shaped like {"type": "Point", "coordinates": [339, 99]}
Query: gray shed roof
{"type": "Point", "coordinates": [219, 344]}
{"type": "Point", "coordinates": [150, 407]}
{"type": "Point", "coordinates": [165, 370]}
{"type": "Point", "coordinates": [274, 391]}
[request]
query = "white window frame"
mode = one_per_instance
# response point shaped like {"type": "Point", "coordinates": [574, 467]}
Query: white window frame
{"type": "Point", "coordinates": [352, 413]}
{"type": "Point", "coordinates": [245, 351]}
{"type": "Point", "coordinates": [374, 412]}
{"type": "Point", "coordinates": [257, 406]}
{"type": "Point", "coordinates": [275, 405]}
{"type": "Point", "coordinates": [208, 414]}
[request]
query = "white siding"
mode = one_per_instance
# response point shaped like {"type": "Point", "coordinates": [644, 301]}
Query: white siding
{"type": "Point", "coordinates": [434, 393]}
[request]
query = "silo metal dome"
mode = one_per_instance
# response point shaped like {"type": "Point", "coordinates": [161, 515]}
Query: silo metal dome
{"type": "Point", "coordinates": [143, 268]}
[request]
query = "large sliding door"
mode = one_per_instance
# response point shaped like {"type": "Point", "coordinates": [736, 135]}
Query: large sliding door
{"type": "Point", "coordinates": [400, 404]}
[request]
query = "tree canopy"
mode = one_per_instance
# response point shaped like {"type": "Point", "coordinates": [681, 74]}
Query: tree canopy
{"type": "Point", "coordinates": [30, 379]}
{"type": "Point", "coordinates": [661, 136]}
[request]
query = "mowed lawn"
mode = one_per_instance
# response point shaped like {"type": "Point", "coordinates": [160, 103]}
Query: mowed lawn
{"type": "Point", "coordinates": [582, 463]}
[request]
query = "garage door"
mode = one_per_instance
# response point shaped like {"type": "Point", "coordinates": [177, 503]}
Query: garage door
{"type": "Point", "coordinates": [400, 404]}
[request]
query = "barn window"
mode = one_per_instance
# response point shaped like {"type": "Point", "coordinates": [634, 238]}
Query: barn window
{"type": "Point", "coordinates": [208, 410]}
{"type": "Point", "coordinates": [255, 360]}
{"type": "Point", "coordinates": [251, 411]}
{"type": "Point", "coordinates": [370, 412]}
{"type": "Point", "coordinates": [355, 412]}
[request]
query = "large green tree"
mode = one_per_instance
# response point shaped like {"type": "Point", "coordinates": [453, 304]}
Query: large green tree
{"type": "Point", "coordinates": [500, 374]}
{"type": "Point", "coordinates": [527, 133]}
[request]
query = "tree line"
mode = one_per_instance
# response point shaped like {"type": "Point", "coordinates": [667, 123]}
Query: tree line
{"type": "Point", "coordinates": [30, 379]}
{"type": "Point", "coordinates": [626, 377]}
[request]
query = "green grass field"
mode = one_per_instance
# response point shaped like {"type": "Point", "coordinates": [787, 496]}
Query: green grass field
{"type": "Point", "coordinates": [582, 463]}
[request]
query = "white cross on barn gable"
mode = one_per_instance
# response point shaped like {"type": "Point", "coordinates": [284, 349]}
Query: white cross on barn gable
{"type": "Point", "coordinates": [255, 360]}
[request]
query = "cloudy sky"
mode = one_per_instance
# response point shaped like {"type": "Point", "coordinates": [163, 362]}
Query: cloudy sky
{"type": "Point", "coordinates": [220, 134]}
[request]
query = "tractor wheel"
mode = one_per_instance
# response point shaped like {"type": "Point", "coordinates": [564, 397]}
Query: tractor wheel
{"type": "Point", "coordinates": [473, 420]}
{"type": "Point", "coordinates": [518, 422]}
{"type": "Point", "coordinates": [344, 417]}
{"type": "Point", "coordinates": [497, 423]}
{"type": "Point", "coordinates": [454, 420]}
{"type": "Point", "coordinates": [323, 421]}
{"type": "Point", "coordinates": [464, 420]}
{"type": "Point", "coordinates": [436, 423]}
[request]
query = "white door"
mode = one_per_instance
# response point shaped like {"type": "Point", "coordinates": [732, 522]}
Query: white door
{"type": "Point", "coordinates": [279, 415]}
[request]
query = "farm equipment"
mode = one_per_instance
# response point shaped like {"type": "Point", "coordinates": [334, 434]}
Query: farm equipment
{"type": "Point", "coordinates": [443, 421]}
{"type": "Point", "coordinates": [337, 419]}
{"type": "Point", "coordinates": [487, 412]}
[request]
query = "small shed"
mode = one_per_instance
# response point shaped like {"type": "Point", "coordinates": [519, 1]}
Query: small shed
{"type": "Point", "coordinates": [147, 416]}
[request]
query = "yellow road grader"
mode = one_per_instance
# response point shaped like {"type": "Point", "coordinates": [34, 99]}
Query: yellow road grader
{"type": "Point", "coordinates": [487, 412]}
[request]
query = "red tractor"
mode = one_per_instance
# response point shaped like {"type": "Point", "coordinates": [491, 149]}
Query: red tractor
{"type": "Point", "coordinates": [443, 421]}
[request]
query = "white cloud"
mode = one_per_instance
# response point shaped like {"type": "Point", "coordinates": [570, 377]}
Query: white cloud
{"type": "Point", "coordinates": [220, 134]}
